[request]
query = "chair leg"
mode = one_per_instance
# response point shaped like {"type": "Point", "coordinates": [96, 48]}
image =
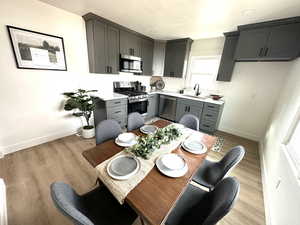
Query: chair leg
{"type": "Point", "coordinates": [142, 221]}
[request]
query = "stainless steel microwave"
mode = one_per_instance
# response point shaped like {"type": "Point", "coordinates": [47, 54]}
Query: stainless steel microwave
{"type": "Point", "coordinates": [131, 64]}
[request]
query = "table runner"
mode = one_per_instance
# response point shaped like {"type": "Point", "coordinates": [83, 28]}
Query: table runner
{"type": "Point", "coordinates": [121, 188]}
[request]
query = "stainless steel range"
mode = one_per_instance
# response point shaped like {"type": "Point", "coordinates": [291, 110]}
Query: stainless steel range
{"type": "Point", "coordinates": [137, 97]}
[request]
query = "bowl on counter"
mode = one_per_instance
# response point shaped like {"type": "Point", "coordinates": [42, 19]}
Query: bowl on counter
{"type": "Point", "coordinates": [216, 97]}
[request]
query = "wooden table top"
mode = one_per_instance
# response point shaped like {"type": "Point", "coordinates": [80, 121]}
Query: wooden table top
{"type": "Point", "coordinates": [156, 195]}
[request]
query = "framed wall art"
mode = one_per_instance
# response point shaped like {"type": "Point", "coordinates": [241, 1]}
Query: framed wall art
{"type": "Point", "coordinates": [35, 50]}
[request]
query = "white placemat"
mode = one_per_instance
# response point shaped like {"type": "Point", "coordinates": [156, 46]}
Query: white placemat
{"type": "Point", "coordinates": [120, 189]}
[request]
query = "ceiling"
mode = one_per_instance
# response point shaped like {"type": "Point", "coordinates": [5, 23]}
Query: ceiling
{"type": "Point", "coordinates": [169, 19]}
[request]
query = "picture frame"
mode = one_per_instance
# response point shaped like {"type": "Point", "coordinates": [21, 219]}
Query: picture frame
{"type": "Point", "coordinates": [36, 50]}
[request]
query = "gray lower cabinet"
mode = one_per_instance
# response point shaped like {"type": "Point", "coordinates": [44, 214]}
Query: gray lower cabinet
{"type": "Point", "coordinates": [210, 117]}
{"type": "Point", "coordinates": [113, 109]}
{"type": "Point", "coordinates": [130, 44]}
{"type": "Point", "coordinates": [187, 106]}
{"type": "Point", "coordinates": [153, 106]}
{"type": "Point", "coordinates": [147, 56]}
{"type": "Point", "coordinates": [103, 47]}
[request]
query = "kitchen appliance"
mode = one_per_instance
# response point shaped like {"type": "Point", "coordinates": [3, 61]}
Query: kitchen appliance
{"type": "Point", "coordinates": [131, 64]}
{"type": "Point", "coordinates": [167, 107]}
{"type": "Point", "coordinates": [137, 99]}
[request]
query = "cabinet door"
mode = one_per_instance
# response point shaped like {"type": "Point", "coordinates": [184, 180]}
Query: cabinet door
{"type": "Point", "coordinates": [169, 70]}
{"type": "Point", "coordinates": [251, 44]}
{"type": "Point", "coordinates": [130, 44]}
{"type": "Point", "coordinates": [197, 111]}
{"type": "Point", "coordinates": [147, 56]}
{"type": "Point", "coordinates": [227, 60]}
{"type": "Point", "coordinates": [283, 43]}
{"type": "Point", "coordinates": [181, 110]}
{"type": "Point", "coordinates": [100, 62]}
{"type": "Point", "coordinates": [113, 49]}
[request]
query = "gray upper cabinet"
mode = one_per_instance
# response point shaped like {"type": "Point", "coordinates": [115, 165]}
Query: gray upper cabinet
{"type": "Point", "coordinates": [113, 49]}
{"type": "Point", "coordinates": [130, 43]}
{"type": "Point", "coordinates": [103, 47]}
{"type": "Point", "coordinates": [176, 57]}
{"type": "Point", "coordinates": [277, 40]}
{"type": "Point", "coordinates": [227, 60]}
{"type": "Point", "coordinates": [147, 56]}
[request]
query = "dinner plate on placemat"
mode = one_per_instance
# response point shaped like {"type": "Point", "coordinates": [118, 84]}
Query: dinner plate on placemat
{"type": "Point", "coordinates": [169, 172]}
{"type": "Point", "coordinates": [123, 167]}
{"type": "Point", "coordinates": [148, 129]}
{"type": "Point", "coordinates": [194, 146]}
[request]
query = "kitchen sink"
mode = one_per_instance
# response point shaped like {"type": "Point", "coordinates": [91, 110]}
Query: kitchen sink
{"type": "Point", "coordinates": [194, 96]}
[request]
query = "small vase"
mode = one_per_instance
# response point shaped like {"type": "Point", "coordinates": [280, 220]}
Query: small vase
{"type": "Point", "coordinates": [88, 132]}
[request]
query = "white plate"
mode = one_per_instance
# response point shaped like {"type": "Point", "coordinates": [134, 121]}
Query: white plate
{"type": "Point", "coordinates": [170, 173]}
{"type": "Point", "coordinates": [173, 161]}
{"type": "Point", "coordinates": [111, 168]}
{"type": "Point", "coordinates": [148, 129]}
{"type": "Point", "coordinates": [188, 146]}
{"type": "Point", "coordinates": [123, 144]}
{"type": "Point", "coordinates": [126, 137]}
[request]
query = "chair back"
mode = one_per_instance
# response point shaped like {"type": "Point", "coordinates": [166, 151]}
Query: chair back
{"type": "Point", "coordinates": [231, 159]}
{"type": "Point", "coordinates": [107, 129]}
{"type": "Point", "coordinates": [221, 200]}
{"type": "Point", "coordinates": [69, 203]}
{"type": "Point", "coordinates": [191, 121]}
{"type": "Point", "coordinates": [135, 120]}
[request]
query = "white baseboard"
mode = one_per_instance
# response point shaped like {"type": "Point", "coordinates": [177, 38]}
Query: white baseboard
{"type": "Point", "coordinates": [264, 175]}
{"type": "Point", "coordinates": [243, 134]}
{"type": "Point", "coordinates": [36, 141]}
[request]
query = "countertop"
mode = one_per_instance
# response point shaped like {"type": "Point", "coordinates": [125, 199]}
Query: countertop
{"type": "Point", "coordinates": [109, 96]}
{"type": "Point", "coordinates": [113, 95]}
{"type": "Point", "coordinates": [209, 100]}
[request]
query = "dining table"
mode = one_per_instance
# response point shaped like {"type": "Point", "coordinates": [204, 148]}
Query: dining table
{"type": "Point", "coordinates": [156, 195]}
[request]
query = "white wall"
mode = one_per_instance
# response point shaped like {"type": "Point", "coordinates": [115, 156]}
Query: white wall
{"type": "Point", "coordinates": [251, 94]}
{"type": "Point", "coordinates": [273, 161]}
{"type": "Point", "coordinates": [31, 101]}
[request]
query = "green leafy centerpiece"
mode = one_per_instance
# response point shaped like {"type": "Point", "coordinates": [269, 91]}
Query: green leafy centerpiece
{"type": "Point", "coordinates": [146, 145]}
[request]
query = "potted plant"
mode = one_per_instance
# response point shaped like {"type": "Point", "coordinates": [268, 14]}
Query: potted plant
{"type": "Point", "coordinates": [82, 103]}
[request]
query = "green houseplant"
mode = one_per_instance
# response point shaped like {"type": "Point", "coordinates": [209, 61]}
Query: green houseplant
{"type": "Point", "coordinates": [82, 105]}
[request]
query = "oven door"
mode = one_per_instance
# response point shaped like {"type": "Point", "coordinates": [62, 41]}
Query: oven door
{"type": "Point", "coordinates": [140, 107]}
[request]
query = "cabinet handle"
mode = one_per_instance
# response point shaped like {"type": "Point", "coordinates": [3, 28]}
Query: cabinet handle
{"type": "Point", "coordinates": [106, 69]}
{"type": "Point", "coordinates": [266, 51]}
{"type": "Point", "coordinates": [189, 108]}
{"type": "Point", "coordinates": [260, 52]}
{"type": "Point", "coordinates": [210, 106]}
{"type": "Point", "coordinates": [133, 51]}
{"type": "Point", "coordinates": [185, 109]}
{"type": "Point", "coordinates": [117, 112]}
{"type": "Point", "coordinates": [206, 125]}
{"type": "Point", "coordinates": [110, 69]}
{"type": "Point", "coordinates": [208, 115]}
{"type": "Point", "coordinates": [117, 102]}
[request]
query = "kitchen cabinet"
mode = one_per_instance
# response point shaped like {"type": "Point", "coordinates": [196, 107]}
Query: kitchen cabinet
{"type": "Point", "coordinates": [176, 57]}
{"type": "Point", "coordinates": [103, 47]}
{"type": "Point", "coordinates": [277, 40]}
{"type": "Point", "coordinates": [147, 56]}
{"type": "Point", "coordinates": [227, 60]}
{"type": "Point", "coordinates": [187, 106]}
{"type": "Point", "coordinates": [130, 43]}
{"type": "Point", "coordinates": [115, 109]}
{"type": "Point", "coordinates": [210, 117]}
{"type": "Point", "coordinates": [159, 58]}
{"type": "Point", "coordinates": [153, 101]}
{"type": "Point", "coordinates": [167, 107]}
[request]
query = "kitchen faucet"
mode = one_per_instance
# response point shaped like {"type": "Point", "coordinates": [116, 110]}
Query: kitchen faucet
{"type": "Point", "coordinates": [197, 89]}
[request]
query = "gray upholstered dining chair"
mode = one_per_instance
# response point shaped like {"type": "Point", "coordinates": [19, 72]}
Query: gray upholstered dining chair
{"type": "Point", "coordinates": [107, 129]}
{"type": "Point", "coordinates": [97, 207]}
{"type": "Point", "coordinates": [199, 207]}
{"type": "Point", "coordinates": [190, 121]}
{"type": "Point", "coordinates": [211, 173]}
{"type": "Point", "coordinates": [135, 120]}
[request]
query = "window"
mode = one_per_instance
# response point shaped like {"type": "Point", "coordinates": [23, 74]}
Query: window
{"type": "Point", "coordinates": [292, 143]}
{"type": "Point", "coordinates": [203, 71]}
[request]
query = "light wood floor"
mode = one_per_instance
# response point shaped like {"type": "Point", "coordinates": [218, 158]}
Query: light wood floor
{"type": "Point", "coordinates": [29, 173]}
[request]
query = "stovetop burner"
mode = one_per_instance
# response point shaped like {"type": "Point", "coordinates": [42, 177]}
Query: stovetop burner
{"type": "Point", "coordinates": [133, 93]}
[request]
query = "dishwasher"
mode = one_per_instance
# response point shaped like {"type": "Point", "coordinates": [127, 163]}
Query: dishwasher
{"type": "Point", "coordinates": [167, 107]}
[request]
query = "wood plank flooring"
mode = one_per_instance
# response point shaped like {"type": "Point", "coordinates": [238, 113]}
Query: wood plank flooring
{"type": "Point", "coordinates": [29, 173]}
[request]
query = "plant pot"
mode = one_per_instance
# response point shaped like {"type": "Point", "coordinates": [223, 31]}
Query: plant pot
{"type": "Point", "coordinates": [88, 132]}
